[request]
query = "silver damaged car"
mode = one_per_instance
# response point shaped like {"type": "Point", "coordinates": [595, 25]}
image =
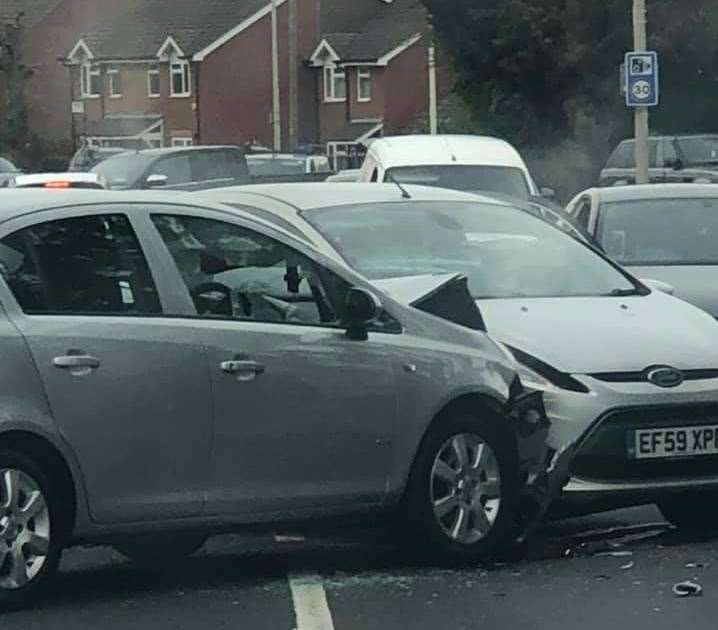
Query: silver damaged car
{"type": "Point", "coordinates": [174, 367]}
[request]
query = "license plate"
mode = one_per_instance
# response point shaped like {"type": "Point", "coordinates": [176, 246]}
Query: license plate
{"type": "Point", "coordinates": [674, 442]}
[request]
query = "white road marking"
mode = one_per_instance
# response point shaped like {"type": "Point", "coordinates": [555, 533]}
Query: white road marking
{"type": "Point", "coordinates": [310, 603]}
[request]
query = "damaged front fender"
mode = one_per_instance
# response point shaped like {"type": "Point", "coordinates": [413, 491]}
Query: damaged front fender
{"type": "Point", "coordinates": [545, 469]}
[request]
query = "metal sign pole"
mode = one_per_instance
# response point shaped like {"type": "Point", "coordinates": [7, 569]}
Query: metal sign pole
{"type": "Point", "coordinates": [276, 109]}
{"type": "Point", "coordinates": [641, 113]}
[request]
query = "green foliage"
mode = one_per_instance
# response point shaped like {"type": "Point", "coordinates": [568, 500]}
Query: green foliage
{"type": "Point", "coordinates": [544, 73]}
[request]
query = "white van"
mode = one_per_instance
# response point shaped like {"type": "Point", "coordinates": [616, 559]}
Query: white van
{"type": "Point", "coordinates": [470, 163]}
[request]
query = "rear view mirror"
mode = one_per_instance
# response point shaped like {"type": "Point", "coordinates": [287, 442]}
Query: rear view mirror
{"type": "Point", "coordinates": [361, 308]}
{"type": "Point", "coordinates": [548, 193]}
{"type": "Point", "coordinates": [676, 164]}
{"type": "Point", "coordinates": [156, 181]}
{"type": "Point", "coordinates": [211, 264]}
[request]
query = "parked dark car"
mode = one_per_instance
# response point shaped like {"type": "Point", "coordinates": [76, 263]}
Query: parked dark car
{"type": "Point", "coordinates": [266, 168]}
{"type": "Point", "coordinates": [672, 159]}
{"type": "Point", "coordinates": [187, 168]}
{"type": "Point", "coordinates": [87, 157]}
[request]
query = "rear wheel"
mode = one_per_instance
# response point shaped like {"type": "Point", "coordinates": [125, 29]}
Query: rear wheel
{"type": "Point", "coordinates": [694, 511]}
{"type": "Point", "coordinates": [463, 490]}
{"type": "Point", "coordinates": [161, 548]}
{"type": "Point", "coordinates": [29, 536]}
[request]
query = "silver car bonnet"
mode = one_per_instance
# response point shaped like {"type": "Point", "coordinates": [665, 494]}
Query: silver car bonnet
{"type": "Point", "coordinates": [585, 335]}
{"type": "Point", "coordinates": [694, 283]}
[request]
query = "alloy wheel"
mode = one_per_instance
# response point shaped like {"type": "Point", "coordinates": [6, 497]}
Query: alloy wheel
{"type": "Point", "coordinates": [24, 529]}
{"type": "Point", "coordinates": [465, 488]}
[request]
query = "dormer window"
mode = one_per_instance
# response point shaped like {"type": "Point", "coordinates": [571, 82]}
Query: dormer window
{"type": "Point", "coordinates": [180, 78]}
{"type": "Point", "coordinates": [90, 80]}
{"type": "Point", "coordinates": [335, 84]}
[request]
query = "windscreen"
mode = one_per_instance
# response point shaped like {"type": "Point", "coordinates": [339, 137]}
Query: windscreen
{"type": "Point", "coordinates": [263, 167]}
{"type": "Point", "coordinates": [500, 179]}
{"type": "Point", "coordinates": [503, 251]}
{"type": "Point", "coordinates": [660, 231]}
{"type": "Point", "coordinates": [700, 149]}
{"type": "Point", "coordinates": [122, 170]}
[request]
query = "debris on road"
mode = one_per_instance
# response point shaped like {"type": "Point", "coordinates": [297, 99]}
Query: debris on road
{"type": "Point", "coordinates": [614, 554]}
{"type": "Point", "coordinates": [696, 565]}
{"type": "Point", "coordinates": [687, 589]}
{"type": "Point", "coordinates": [628, 566]}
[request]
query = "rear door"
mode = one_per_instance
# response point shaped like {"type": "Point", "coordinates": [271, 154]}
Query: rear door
{"type": "Point", "coordinates": [128, 387]}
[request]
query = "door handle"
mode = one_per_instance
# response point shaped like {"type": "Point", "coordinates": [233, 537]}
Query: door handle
{"type": "Point", "coordinates": [76, 361]}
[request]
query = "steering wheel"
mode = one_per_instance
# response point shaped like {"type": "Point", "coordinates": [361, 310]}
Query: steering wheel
{"type": "Point", "coordinates": [209, 305]}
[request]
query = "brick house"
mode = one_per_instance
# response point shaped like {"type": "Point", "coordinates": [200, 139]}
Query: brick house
{"type": "Point", "coordinates": [372, 67]}
{"type": "Point", "coordinates": [176, 72]}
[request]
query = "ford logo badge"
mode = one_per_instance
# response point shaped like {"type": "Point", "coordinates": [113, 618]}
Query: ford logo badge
{"type": "Point", "coordinates": [664, 376]}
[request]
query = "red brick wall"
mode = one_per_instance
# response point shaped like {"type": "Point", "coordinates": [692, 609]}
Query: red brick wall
{"type": "Point", "coordinates": [48, 92]}
{"type": "Point", "coordinates": [235, 94]}
{"type": "Point", "coordinates": [407, 88]}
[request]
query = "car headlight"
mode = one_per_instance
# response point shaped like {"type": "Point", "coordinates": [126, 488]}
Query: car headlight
{"type": "Point", "coordinates": [538, 375]}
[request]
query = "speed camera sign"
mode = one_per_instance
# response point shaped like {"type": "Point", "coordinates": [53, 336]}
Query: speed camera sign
{"type": "Point", "coordinates": [641, 79]}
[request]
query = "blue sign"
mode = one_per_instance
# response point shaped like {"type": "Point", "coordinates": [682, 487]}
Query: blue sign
{"type": "Point", "coordinates": [641, 79]}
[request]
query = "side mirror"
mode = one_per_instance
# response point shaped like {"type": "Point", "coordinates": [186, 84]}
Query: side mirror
{"type": "Point", "coordinates": [548, 193]}
{"type": "Point", "coordinates": [361, 308]}
{"type": "Point", "coordinates": [657, 285]}
{"type": "Point", "coordinates": [676, 165]}
{"type": "Point", "coordinates": [156, 181]}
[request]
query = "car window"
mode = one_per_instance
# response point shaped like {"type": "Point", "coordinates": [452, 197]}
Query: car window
{"type": "Point", "coordinates": [236, 273]}
{"type": "Point", "coordinates": [212, 165]}
{"type": "Point", "coordinates": [501, 179]}
{"type": "Point", "coordinates": [123, 170]}
{"type": "Point", "coordinates": [83, 265]}
{"type": "Point", "coordinates": [669, 152]}
{"type": "Point", "coordinates": [623, 156]}
{"type": "Point", "coordinates": [176, 168]}
{"type": "Point", "coordinates": [583, 213]}
{"type": "Point", "coordinates": [699, 149]}
{"type": "Point", "coordinates": [505, 252]}
{"type": "Point", "coordinates": [660, 231]}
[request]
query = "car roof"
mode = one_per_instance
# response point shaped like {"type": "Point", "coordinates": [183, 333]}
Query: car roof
{"type": "Point", "coordinates": [312, 196]}
{"type": "Point", "coordinates": [41, 178]}
{"type": "Point", "coordinates": [15, 202]}
{"type": "Point", "coordinates": [653, 191]}
{"type": "Point", "coordinates": [170, 150]}
{"type": "Point", "coordinates": [425, 150]}
{"type": "Point", "coordinates": [679, 136]}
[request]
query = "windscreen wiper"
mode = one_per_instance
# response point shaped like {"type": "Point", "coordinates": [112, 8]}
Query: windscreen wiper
{"type": "Point", "coordinates": [625, 292]}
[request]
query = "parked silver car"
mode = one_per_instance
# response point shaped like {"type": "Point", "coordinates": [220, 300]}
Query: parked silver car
{"type": "Point", "coordinates": [665, 232]}
{"type": "Point", "coordinates": [630, 375]}
{"type": "Point", "coordinates": [174, 367]}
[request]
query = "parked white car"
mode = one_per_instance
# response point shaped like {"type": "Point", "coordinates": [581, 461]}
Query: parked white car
{"type": "Point", "coordinates": [630, 374]}
{"type": "Point", "coordinates": [58, 181]}
{"type": "Point", "coordinates": [469, 163]}
{"type": "Point", "coordinates": [666, 232]}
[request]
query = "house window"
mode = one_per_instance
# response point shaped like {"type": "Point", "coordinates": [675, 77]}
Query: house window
{"type": "Point", "coordinates": [153, 81]}
{"type": "Point", "coordinates": [90, 80]}
{"type": "Point", "coordinates": [335, 84]}
{"type": "Point", "coordinates": [179, 78]}
{"type": "Point", "coordinates": [114, 83]}
{"type": "Point", "coordinates": [182, 142]}
{"type": "Point", "coordinates": [363, 85]}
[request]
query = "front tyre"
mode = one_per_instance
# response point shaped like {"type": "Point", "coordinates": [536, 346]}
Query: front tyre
{"type": "Point", "coordinates": [29, 547]}
{"type": "Point", "coordinates": [463, 490]}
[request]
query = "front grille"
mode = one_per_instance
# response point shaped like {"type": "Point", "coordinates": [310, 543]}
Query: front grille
{"type": "Point", "coordinates": [603, 455]}
{"type": "Point", "coordinates": [642, 377]}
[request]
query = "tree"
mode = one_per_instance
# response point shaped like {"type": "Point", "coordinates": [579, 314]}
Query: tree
{"type": "Point", "coordinates": [544, 73]}
{"type": "Point", "coordinates": [14, 131]}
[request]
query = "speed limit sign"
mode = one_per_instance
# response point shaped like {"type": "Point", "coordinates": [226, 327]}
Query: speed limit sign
{"type": "Point", "coordinates": [641, 79]}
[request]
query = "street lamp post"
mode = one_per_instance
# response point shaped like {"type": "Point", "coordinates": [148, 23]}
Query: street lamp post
{"type": "Point", "coordinates": [641, 113]}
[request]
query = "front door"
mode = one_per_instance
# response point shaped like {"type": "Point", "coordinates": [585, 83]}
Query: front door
{"type": "Point", "coordinates": [127, 388]}
{"type": "Point", "coordinates": [304, 417]}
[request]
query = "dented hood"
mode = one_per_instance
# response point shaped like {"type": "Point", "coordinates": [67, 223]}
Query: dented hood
{"type": "Point", "coordinates": [606, 334]}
